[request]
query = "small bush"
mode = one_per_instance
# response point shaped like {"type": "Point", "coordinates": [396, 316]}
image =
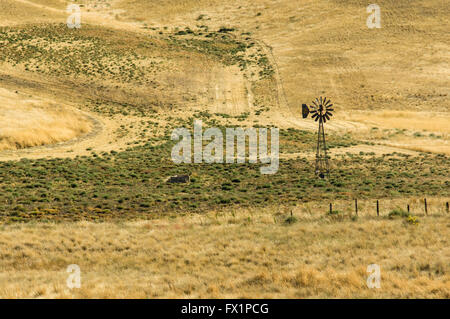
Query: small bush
{"type": "Point", "coordinates": [398, 213]}
{"type": "Point", "coordinates": [291, 220]}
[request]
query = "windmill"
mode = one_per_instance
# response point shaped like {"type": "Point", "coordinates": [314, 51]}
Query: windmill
{"type": "Point", "coordinates": [321, 111]}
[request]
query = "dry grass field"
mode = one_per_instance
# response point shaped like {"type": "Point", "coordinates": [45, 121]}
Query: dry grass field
{"type": "Point", "coordinates": [26, 122]}
{"type": "Point", "coordinates": [85, 122]}
{"type": "Point", "coordinates": [230, 254]}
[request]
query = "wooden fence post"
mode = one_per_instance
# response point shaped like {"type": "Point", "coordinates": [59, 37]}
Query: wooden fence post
{"type": "Point", "coordinates": [446, 205]}
{"type": "Point", "coordinates": [378, 208]}
{"type": "Point", "coordinates": [331, 208]}
{"type": "Point", "coordinates": [408, 208]}
{"type": "Point", "coordinates": [426, 207]}
{"type": "Point", "coordinates": [356, 206]}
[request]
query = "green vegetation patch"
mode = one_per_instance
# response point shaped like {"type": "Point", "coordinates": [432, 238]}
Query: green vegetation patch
{"type": "Point", "coordinates": [133, 183]}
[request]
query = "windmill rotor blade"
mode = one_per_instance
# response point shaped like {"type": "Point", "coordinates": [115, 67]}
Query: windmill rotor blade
{"type": "Point", "coordinates": [321, 109]}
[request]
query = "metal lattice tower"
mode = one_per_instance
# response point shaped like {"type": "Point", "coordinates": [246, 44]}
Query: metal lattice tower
{"type": "Point", "coordinates": [321, 112]}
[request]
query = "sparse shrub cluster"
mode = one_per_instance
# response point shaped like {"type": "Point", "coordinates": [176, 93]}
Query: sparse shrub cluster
{"type": "Point", "coordinates": [132, 183]}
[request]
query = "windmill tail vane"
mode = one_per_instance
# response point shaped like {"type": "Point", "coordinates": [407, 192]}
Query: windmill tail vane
{"type": "Point", "coordinates": [321, 111]}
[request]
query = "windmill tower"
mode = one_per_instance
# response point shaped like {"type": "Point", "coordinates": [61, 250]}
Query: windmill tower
{"type": "Point", "coordinates": [321, 112]}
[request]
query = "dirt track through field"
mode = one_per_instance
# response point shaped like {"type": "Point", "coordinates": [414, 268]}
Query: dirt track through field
{"type": "Point", "coordinates": [229, 97]}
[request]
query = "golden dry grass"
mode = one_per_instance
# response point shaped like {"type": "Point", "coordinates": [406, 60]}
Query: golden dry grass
{"type": "Point", "coordinates": [421, 121]}
{"type": "Point", "coordinates": [399, 72]}
{"type": "Point", "coordinates": [27, 122]}
{"type": "Point", "coordinates": [325, 47]}
{"type": "Point", "coordinates": [231, 254]}
{"type": "Point", "coordinates": [422, 131]}
{"type": "Point", "coordinates": [165, 11]}
{"type": "Point", "coordinates": [394, 75]}
{"type": "Point", "coordinates": [402, 66]}
{"type": "Point", "coordinates": [15, 12]}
